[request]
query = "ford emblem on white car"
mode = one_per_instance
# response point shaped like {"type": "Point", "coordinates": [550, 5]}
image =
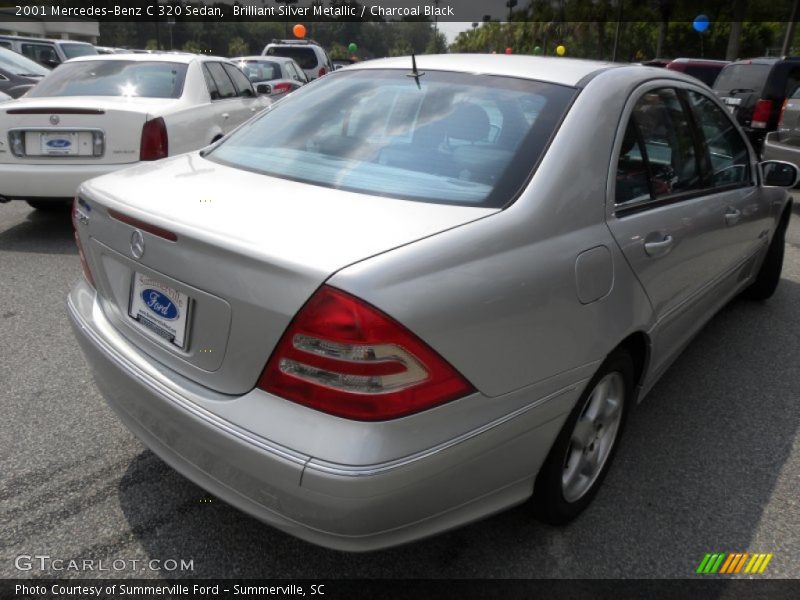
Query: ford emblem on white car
{"type": "Point", "coordinates": [137, 244]}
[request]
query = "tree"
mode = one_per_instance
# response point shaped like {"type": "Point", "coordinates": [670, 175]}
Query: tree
{"type": "Point", "coordinates": [193, 47]}
{"type": "Point", "coordinates": [238, 47]}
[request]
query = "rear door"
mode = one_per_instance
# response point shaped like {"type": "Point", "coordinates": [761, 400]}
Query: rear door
{"type": "Point", "coordinates": [668, 223]}
{"type": "Point", "coordinates": [228, 104]}
{"type": "Point", "coordinates": [731, 176]}
{"type": "Point", "coordinates": [248, 101]}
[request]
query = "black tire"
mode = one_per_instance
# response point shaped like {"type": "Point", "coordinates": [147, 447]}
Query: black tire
{"type": "Point", "coordinates": [549, 502]}
{"type": "Point", "coordinates": [769, 275]}
{"type": "Point", "coordinates": [50, 205]}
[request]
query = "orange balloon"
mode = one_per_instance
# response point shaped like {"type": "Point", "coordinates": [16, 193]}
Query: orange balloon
{"type": "Point", "coordinates": [299, 31]}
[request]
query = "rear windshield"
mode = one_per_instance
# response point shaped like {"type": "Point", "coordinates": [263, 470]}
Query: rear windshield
{"type": "Point", "coordinates": [20, 65]}
{"type": "Point", "coordinates": [747, 77]}
{"type": "Point", "coordinates": [260, 70]}
{"type": "Point", "coordinates": [114, 78]}
{"type": "Point", "coordinates": [75, 50]}
{"type": "Point", "coordinates": [305, 57]}
{"type": "Point", "coordinates": [706, 74]}
{"type": "Point", "coordinates": [452, 138]}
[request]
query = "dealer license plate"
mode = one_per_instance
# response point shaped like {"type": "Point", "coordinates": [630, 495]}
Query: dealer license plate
{"type": "Point", "coordinates": [160, 308]}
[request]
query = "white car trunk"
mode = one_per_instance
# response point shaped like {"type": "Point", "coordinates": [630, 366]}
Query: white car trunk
{"type": "Point", "coordinates": [79, 130]}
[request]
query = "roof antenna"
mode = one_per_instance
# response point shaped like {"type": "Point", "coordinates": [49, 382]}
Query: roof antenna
{"type": "Point", "coordinates": [415, 73]}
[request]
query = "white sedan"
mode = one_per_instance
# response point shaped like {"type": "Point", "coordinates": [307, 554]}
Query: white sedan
{"type": "Point", "coordinates": [97, 114]}
{"type": "Point", "coordinates": [4, 98]}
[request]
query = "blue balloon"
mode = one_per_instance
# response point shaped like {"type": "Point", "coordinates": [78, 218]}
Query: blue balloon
{"type": "Point", "coordinates": [701, 23]}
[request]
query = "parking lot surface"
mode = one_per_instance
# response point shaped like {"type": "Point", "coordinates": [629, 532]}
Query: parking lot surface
{"type": "Point", "coordinates": [710, 461]}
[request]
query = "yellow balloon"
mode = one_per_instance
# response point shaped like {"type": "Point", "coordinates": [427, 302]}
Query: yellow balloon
{"type": "Point", "coordinates": [560, 50]}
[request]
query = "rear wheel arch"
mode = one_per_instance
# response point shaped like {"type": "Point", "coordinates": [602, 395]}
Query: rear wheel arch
{"type": "Point", "coordinates": [637, 345]}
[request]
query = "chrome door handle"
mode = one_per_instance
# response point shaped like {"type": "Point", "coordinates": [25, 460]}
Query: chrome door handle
{"type": "Point", "coordinates": [732, 215]}
{"type": "Point", "coordinates": [659, 248]}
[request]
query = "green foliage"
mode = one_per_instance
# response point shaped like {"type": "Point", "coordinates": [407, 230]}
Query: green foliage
{"type": "Point", "coordinates": [193, 47]}
{"type": "Point", "coordinates": [238, 47]}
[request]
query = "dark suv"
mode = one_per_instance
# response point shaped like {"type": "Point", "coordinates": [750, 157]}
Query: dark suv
{"type": "Point", "coordinates": [754, 91]}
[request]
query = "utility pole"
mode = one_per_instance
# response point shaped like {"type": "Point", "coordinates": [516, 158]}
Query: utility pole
{"type": "Point", "coordinates": [787, 40]}
{"type": "Point", "coordinates": [616, 33]}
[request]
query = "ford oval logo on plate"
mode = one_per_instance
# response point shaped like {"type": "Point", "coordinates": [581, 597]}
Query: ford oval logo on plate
{"type": "Point", "coordinates": [160, 304]}
{"type": "Point", "coordinates": [59, 143]}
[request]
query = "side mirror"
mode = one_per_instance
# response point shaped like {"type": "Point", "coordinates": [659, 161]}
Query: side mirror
{"type": "Point", "coordinates": [264, 89]}
{"type": "Point", "coordinates": [778, 173]}
{"type": "Point", "coordinates": [51, 64]}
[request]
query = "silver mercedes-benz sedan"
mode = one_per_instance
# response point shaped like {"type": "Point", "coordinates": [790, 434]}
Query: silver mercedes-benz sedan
{"type": "Point", "coordinates": [417, 293]}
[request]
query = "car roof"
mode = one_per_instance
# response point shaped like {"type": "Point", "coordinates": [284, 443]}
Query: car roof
{"type": "Point", "coordinates": [261, 57]}
{"type": "Point", "coordinates": [701, 61]}
{"type": "Point", "coordinates": [40, 40]}
{"type": "Point", "coordinates": [172, 58]}
{"type": "Point", "coordinates": [564, 71]}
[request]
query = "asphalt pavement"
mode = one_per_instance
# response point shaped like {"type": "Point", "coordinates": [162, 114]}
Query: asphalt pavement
{"type": "Point", "coordinates": [710, 461]}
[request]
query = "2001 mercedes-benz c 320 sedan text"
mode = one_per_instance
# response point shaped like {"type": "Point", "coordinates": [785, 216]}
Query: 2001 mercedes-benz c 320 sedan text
{"type": "Point", "coordinates": [411, 296]}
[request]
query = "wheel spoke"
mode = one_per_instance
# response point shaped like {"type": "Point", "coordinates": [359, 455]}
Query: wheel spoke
{"type": "Point", "coordinates": [596, 402]}
{"type": "Point", "coordinates": [583, 434]}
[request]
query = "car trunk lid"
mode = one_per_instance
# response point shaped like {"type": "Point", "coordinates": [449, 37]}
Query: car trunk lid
{"type": "Point", "coordinates": [74, 130]}
{"type": "Point", "coordinates": [238, 253]}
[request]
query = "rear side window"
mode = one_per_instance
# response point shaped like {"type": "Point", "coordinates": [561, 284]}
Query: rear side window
{"type": "Point", "coordinates": [113, 78]}
{"type": "Point", "coordinates": [40, 53]}
{"type": "Point", "coordinates": [210, 83]}
{"type": "Point", "coordinates": [454, 138]}
{"type": "Point", "coordinates": [303, 56]}
{"type": "Point", "coordinates": [243, 87]}
{"type": "Point", "coordinates": [221, 80]}
{"type": "Point", "coordinates": [668, 143]}
{"type": "Point", "coordinates": [730, 160]}
{"type": "Point", "coordinates": [5, 44]}
{"type": "Point", "coordinates": [747, 77]}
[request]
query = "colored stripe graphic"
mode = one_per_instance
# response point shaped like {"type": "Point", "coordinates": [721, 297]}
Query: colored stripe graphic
{"type": "Point", "coordinates": [728, 564]}
{"type": "Point", "coordinates": [741, 562]}
{"type": "Point", "coordinates": [701, 567]}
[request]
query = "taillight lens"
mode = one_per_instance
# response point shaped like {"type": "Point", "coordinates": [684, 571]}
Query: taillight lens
{"type": "Point", "coordinates": [155, 144]}
{"type": "Point", "coordinates": [783, 110]}
{"type": "Point", "coordinates": [84, 265]}
{"type": "Point", "coordinates": [343, 356]}
{"type": "Point", "coordinates": [322, 71]}
{"type": "Point", "coordinates": [280, 88]}
{"type": "Point", "coordinates": [761, 114]}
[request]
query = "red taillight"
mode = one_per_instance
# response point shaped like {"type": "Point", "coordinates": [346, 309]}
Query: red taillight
{"type": "Point", "coordinates": [155, 144]}
{"type": "Point", "coordinates": [761, 114]}
{"type": "Point", "coordinates": [342, 356]}
{"type": "Point", "coordinates": [322, 71]}
{"type": "Point", "coordinates": [280, 88]}
{"type": "Point", "coordinates": [783, 110]}
{"type": "Point", "coordinates": [86, 272]}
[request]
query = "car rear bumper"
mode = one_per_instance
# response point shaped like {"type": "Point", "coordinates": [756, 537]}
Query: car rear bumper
{"type": "Point", "coordinates": [338, 506]}
{"type": "Point", "coordinates": [776, 150]}
{"type": "Point", "coordinates": [31, 182]}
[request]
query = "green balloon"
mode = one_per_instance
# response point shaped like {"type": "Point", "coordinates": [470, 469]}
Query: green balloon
{"type": "Point", "coordinates": [537, 50]}
{"type": "Point", "coordinates": [352, 48]}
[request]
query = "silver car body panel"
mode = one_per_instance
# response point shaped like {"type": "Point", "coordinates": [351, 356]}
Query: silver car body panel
{"type": "Point", "coordinates": [526, 302]}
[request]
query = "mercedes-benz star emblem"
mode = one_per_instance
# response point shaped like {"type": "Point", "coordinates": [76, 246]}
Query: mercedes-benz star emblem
{"type": "Point", "coordinates": [55, 119]}
{"type": "Point", "coordinates": [137, 244]}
